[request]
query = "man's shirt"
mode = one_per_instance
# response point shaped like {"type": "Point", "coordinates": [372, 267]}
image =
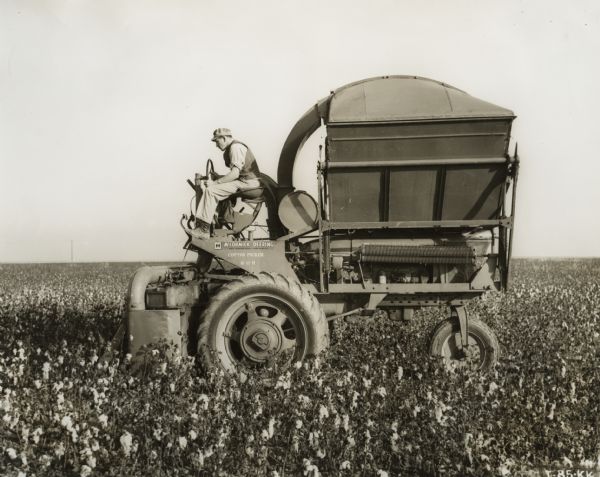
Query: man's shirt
{"type": "Point", "coordinates": [237, 152]}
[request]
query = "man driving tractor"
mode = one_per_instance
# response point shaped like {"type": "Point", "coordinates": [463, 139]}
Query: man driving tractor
{"type": "Point", "coordinates": [243, 175]}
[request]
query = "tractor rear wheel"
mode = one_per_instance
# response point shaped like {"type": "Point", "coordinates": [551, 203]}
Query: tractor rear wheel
{"type": "Point", "coordinates": [481, 353]}
{"type": "Point", "coordinates": [254, 320]}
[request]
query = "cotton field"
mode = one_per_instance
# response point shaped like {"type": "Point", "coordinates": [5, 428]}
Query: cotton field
{"type": "Point", "coordinates": [375, 404]}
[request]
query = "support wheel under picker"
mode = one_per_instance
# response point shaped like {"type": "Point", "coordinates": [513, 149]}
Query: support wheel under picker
{"type": "Point", "coordinates": [481, 353]}
{"type": "Point", "coordinates": [255, 319]}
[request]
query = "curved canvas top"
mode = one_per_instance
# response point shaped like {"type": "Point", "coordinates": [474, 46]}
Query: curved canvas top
{"type": "Point", "coordinates": [387, 98]}
{"type": "Point", "coordinates": [402, 98]}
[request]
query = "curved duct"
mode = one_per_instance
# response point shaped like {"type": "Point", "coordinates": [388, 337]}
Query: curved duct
{"type": "Point", "coordinates": [306, 125]}
{"type": "Point", "coordinates": [140, 280]}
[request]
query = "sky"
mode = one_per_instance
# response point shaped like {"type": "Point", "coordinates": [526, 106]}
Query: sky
{"type": "Point", "coordinates": [107, 107]}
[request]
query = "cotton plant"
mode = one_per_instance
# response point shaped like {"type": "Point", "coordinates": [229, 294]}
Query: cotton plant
{"type": "Point", "coordinates": [371, 404]}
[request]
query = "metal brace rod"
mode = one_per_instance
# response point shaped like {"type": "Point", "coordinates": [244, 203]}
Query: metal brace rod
{"type": "Point", "coordinates": [298, 233]}
{"type": "Point", "coordinates": [463, 323]}
{"type": "Point", "coordinates": [341, 315]}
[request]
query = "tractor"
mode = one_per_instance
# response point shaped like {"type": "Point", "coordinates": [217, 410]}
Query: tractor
{"type": "Point", "coordinates": [414, 208]}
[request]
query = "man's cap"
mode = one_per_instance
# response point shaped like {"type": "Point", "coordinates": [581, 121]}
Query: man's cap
{"type": "Point", "coordinates": [220, 132]}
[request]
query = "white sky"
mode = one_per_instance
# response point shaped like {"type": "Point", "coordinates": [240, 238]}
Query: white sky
{"type": "Point", "coordinates": [106, 107]}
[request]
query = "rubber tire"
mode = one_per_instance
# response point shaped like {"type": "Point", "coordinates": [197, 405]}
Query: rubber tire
{"type": "Point", "coordinates": [212, 350]}
{"type": "Point", "coordinates": [478, 331]}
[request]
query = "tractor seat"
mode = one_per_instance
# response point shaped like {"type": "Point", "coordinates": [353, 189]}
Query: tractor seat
{"type": "Point", "coordinates": [236, 221]}
{"type": "Point", "coordinates": [252, 196]}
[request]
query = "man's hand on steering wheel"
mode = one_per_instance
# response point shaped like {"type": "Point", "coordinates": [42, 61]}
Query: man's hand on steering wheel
{"type": "Point", "coordinates": [210, 176]}
{"type": "Point", "coordinates": [204, 183]}
{"type": "Point", "coordinates": [210, 171]}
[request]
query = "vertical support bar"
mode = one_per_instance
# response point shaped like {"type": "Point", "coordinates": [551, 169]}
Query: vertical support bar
{"type": "Point", "coordinates": [439, 190]}
{"type": "Point", "coordinates": [463, 323]}
{"type": "Point", "coordinates": [385, 216]}
{"type": "Point", "coordinates": [501, 265]}
{"type": "Point", "coordinates": [320, 215]}
{"type": "Point", "coordinates": [502, 204]}
{"type": "Point", "coordinates": [512, 214]}
{"type": "Point", "coordinates": [326, 262]}
{"type": "Point", "coordinates": [325, 183]}
{"type": "Point", "coordinates": [502, 255]}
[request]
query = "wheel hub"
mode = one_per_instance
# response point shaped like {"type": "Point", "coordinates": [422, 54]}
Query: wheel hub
{"type": "Point", "coordinates": [261, 339]}
{"type": "Point", "coordinates": [467, 356]}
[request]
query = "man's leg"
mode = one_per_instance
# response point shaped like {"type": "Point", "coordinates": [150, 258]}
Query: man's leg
{"type": "Point", "coordinates": [211, 197]}
{"type": "Point", "coordinates": [248, 184]}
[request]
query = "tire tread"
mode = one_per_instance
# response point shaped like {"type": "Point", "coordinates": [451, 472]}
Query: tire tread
{"type": "Point", "coordinates": [311, 309]}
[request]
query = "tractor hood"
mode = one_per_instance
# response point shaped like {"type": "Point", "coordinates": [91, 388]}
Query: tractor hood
{"type": "Point", "coordinates": [382, 100]}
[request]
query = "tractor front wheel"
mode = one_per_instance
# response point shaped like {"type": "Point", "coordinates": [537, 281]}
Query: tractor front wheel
{"type": "Point", "coordinates": [480, 354]}
{"type": "Point", "coordinates": [252, 320]}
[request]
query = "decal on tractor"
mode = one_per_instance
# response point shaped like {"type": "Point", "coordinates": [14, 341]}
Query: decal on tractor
{"type": "Point", "coordinates": [246, 244]}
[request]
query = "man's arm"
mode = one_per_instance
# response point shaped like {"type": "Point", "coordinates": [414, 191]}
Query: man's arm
{"type": "Point", "coordinates": [238, 159]}
{"type": "Point", "coordinates": [232, 175]}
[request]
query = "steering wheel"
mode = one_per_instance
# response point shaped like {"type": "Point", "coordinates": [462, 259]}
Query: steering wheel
{"type": "Point", "coordinates": [210, 170]}
{"type": "Point", "coordinates": [209, 174]}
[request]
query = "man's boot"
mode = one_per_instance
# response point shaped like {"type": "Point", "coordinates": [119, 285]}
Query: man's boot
{"type": "Point", "coordinates": [202, 230]}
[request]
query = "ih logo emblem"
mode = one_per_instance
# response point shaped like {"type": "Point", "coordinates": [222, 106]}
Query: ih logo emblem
{"type": "Point", "coordinates": [218, 246]}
